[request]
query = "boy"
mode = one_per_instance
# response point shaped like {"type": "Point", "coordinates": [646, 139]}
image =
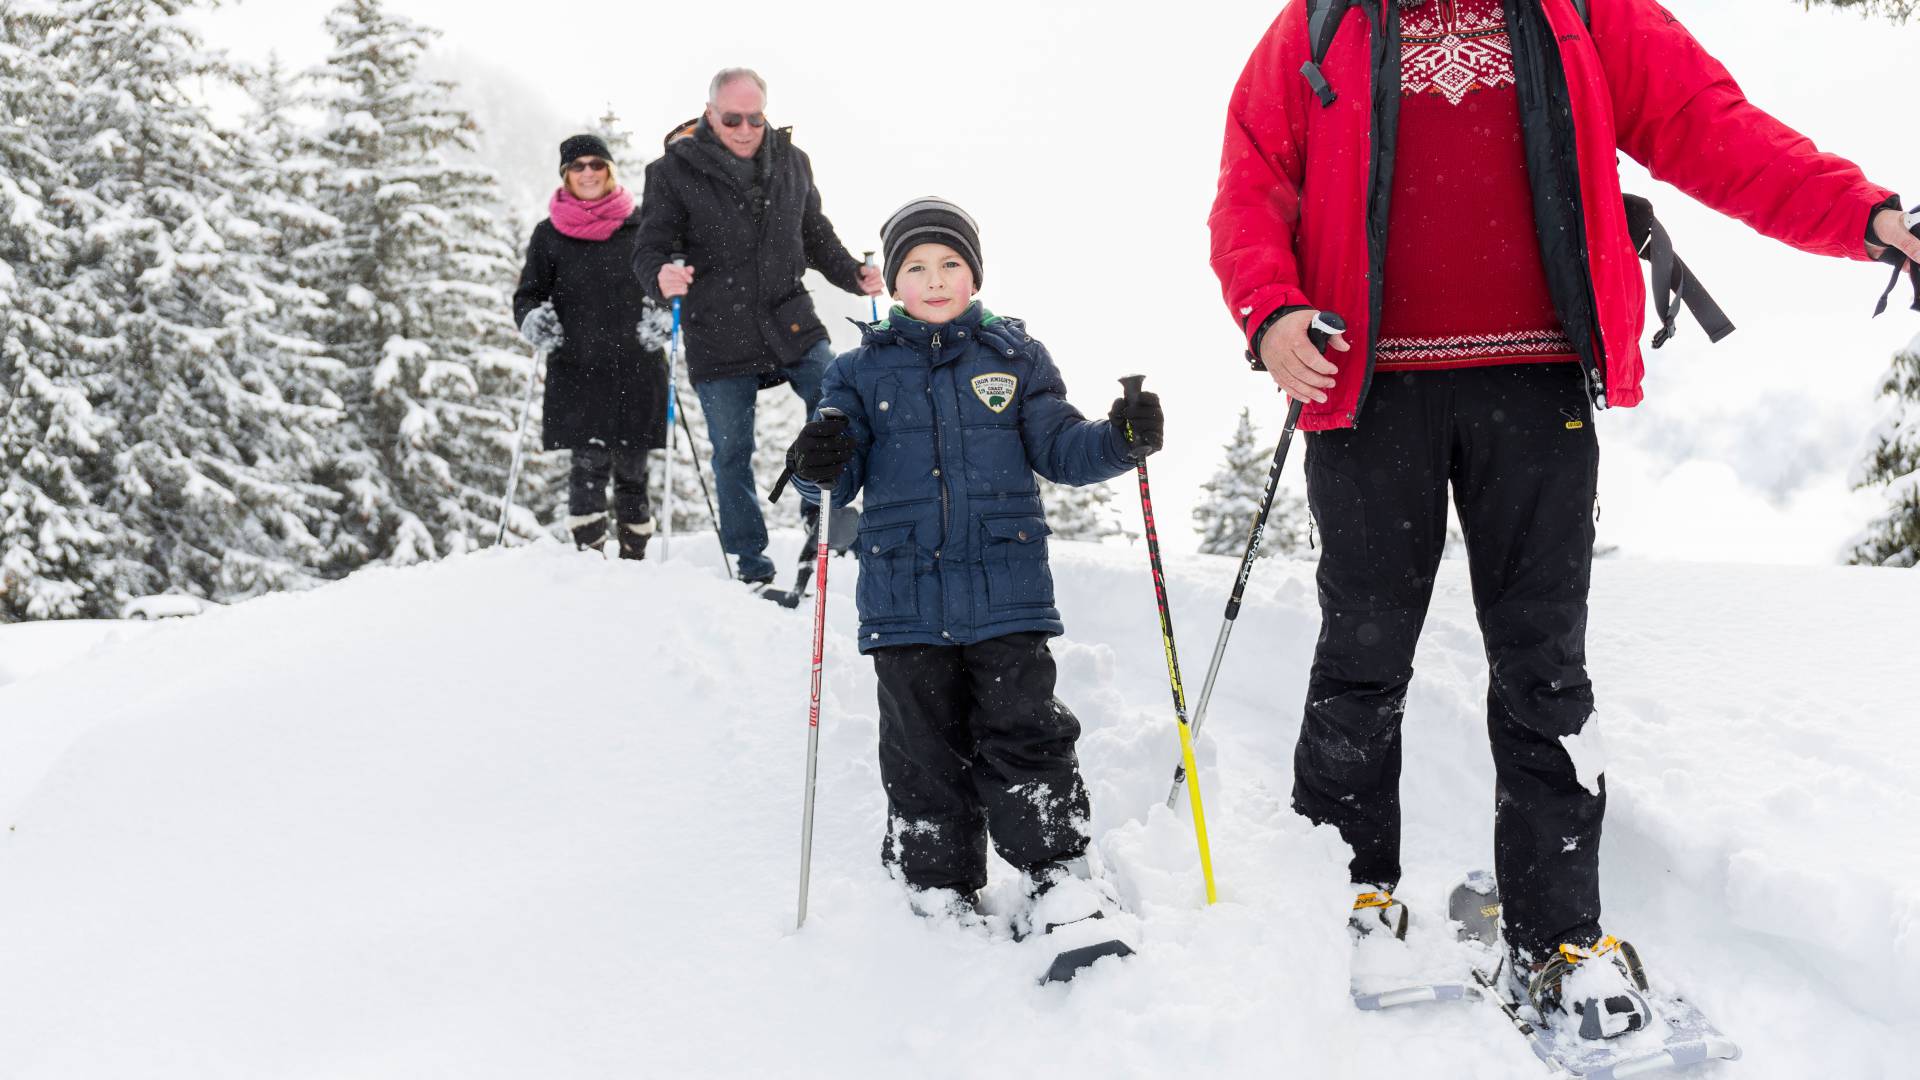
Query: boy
{"type": "Point", "coordinates": [948, 412]}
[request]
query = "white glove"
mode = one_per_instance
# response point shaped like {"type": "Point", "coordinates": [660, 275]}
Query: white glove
{"type": "Point", "coordinates": [542, 328]}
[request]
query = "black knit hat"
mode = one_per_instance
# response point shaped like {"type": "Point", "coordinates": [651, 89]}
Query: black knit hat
{"type": "Point", "coordinates": [930, 220]}
{"type": "Point", "coordinates": [580, 146]}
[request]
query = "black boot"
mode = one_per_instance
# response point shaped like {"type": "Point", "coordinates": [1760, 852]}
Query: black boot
{"type": "Point", "coordinates": [633, 539]}
{"type": "Point", "coordinates": [589, 530]}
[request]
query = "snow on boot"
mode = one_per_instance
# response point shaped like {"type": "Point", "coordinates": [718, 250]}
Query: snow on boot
{"type": "Point", "coordinates": [1601, 988]}
{"type": "Point", "coordinates": [1377, 910]}
{"type": "Point", "coordinates": [633, 539]}
{"type": "Point", "coordinates": [1078, 914]}
{"type": "Point", "coordinates": [938, 904]}
{"type": "Point", "coordinates": [589, 530]}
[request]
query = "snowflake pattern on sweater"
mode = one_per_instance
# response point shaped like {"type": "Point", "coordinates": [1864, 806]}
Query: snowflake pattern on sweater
{"type": "Point", "coordinates": [1455, 47]}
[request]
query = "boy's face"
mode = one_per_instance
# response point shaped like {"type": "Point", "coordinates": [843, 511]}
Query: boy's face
{"type": "Point", "coordinates": [935, 284]}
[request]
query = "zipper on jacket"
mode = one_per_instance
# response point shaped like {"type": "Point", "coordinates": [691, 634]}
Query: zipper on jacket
{"type": "Point", "coordinates": [940, 453]}
{"type": "Point", "coordinates": [1386, 122]}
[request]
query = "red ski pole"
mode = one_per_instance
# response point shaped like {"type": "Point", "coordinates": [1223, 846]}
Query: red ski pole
{"type": "Point", "coordinates": [820, 553]}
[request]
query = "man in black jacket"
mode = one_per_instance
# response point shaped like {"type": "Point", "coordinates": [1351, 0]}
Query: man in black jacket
{"type": "Point", "coordinates": [736, 198]}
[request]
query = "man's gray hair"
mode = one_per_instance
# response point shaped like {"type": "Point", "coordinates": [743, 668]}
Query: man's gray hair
{"type": "Point", "coordinates": [728, 75]}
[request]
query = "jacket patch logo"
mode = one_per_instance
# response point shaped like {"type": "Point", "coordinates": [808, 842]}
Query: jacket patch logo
{"type": "Point", "coordinates": [995, 390]}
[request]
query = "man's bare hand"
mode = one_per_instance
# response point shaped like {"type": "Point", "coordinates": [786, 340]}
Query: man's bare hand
{"type": "Point", "coordinates": [1890, 228]}
{"type": "Point", "coordinates": [1296, 366]}
{"type": "Point", "coordinates": [675, 280]}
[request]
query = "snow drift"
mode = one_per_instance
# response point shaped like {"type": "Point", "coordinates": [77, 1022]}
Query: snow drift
{"type": "Point", "coordinates": [531, 813]}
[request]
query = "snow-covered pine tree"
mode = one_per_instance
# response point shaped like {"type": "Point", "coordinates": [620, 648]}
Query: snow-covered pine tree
{"type": "Point", "coordinates": [1894, 465]}
{"type": "Point", "coordinates": [417, 279]}
{"type": "Point", "coordinates": [632, 164]}
{"type": "Point", "coordinates": [55, 541]}
{"type": "Point", "coordinates": [208, 456]}
{"type": "Point", "coordinates": [1080, 513]}
{"type": "Point", "coordinates": [1225, 514]}
{"type": "Point", "coordinates": [1897, 10]}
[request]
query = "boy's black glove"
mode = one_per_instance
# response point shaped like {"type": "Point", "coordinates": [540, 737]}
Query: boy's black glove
{"type": "Point", "coordinates": [1143, 415]}
{"type": "Point", "coordinates": [821, 450]}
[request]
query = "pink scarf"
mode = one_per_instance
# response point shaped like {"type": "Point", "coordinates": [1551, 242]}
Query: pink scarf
{"type": "Point", "coordinates": [594, 220]}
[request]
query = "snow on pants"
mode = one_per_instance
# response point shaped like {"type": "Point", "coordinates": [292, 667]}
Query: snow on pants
{"type": "Point", "coordinates": [973, 743]}
{"type": "Point", "coordinates": [592, 465]}
{"type": "Point", "coordinates": [1517, 444]}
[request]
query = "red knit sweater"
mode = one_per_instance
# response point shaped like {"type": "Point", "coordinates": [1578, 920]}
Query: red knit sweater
{"type": "Point", "coordinates": [1464, 282]}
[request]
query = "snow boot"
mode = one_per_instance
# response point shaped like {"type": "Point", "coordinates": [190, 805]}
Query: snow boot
{"type": "Point", "coordinates": [1377, 910]}
{"type": "Point", "coordinates": [633, 539]}
{"type": "Point", "coordinates": [1601, 988]}
{"type": "Point", "coordinates": [589, 530]}
{"type": "Point", "coordinates": [1078, 915]}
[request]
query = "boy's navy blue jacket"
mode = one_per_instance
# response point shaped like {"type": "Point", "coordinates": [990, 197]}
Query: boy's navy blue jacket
{"type": "Point", "coordinates": [950, 424]}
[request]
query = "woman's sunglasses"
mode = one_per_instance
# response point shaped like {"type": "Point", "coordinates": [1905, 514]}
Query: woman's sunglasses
{"type": "Point", "coordinates": [734, 119]}
{"type": "Point", "coordinates": [588, 163]}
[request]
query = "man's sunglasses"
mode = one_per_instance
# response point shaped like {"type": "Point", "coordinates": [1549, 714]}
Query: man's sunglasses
{"type": "Point", "coordinates": [588, 163]}
{"type": "Point", "coordinates": [734, 119]}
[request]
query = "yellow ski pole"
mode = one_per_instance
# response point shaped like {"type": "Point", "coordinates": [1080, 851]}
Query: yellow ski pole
{"type": "Point", "coordinates": [1131, 387]}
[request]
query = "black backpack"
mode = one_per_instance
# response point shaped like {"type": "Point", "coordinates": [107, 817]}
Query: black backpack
{"type": "Point", "coordinates": [1671, 278]}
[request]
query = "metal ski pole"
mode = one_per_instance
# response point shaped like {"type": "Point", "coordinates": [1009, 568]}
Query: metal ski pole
{"type": "Point", "coordinates": [874, 300]}
{"type": "Point", "coordinates": [1324, 326]}
{"type": "Point", "coordinates": [821, 550]}
{"type": "Point", "coordinates": [1131, 387]}
{"type": "Point", "coordinates": [519, 443]}
{"type": "Point", "coordinates": [693, 451]}
{"type": "Point", "coordinates": [673, 408]}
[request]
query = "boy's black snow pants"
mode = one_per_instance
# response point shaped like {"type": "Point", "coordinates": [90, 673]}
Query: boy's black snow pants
{"type": "Point", "coordinates": [972, 743]}
{"type": "Point", "coordinates": [1517, 444]}
{"type": "Point", "coordinates": [592, 465]}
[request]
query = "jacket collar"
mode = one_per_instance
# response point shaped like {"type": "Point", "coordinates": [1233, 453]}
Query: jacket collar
{"type": "Point", "coordinates": [901, 328]}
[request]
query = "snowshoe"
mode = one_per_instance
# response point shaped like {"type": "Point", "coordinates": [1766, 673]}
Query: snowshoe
{"type": "Point", "coordinates": [961, 907]}
{"type": "Point", "coordinates": [1600, 988]}
{"type": "Point", "coordinates": [1595, 1015]}
{"type": "Point", "coordinates": [1392, 966]}
{"type": "Point", "coordinates": [1077, 913]}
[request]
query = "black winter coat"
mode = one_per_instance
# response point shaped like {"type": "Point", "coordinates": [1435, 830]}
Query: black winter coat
{"type": "Point", "coordinates": [603, 382]}
{"type": "Point", "coordinates": [748, 312]}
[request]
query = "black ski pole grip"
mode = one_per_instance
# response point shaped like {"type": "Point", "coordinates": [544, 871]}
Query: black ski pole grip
{"type": "Point", "coordinates": [1324, 326]}
{"type": "Point", "coordinates": [678, 258]}
{"type": "Point", "coordinates": [1130, 387]}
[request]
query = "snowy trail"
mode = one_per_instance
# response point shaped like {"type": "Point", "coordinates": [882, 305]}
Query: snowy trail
{"type": "Point", "coordinates": [532, 814]}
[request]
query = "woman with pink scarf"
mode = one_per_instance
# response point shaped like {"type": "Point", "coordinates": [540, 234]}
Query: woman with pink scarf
{"type": "Point", "coordinates": [606, 398]}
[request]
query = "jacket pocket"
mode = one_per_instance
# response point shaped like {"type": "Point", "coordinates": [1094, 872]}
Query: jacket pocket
{"type": "Point", "coordinates": [888, 588]}
{"type": "Point", "coordinates": [794, 317]}
{"type": "Point", "coordinates": [1015, 550]}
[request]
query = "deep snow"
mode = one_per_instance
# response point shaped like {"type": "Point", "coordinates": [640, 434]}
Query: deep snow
{"type": "Point", "coordinates": [530, 813]}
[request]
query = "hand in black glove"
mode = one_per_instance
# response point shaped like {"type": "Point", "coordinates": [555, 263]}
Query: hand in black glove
{"type": "Point", "coordinates": [1143, 415]}
{"type": "Point", "coordinates": [821, 450]}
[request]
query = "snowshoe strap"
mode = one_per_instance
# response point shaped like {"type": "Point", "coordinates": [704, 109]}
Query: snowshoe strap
{"type": "Point", "coordinates": [1573, 954]}
{"type": "Point", "coordinates": [1895, 259]}
{"type": "Point", "coordinates": [1671, 278]}
{"type": "Point", "coordinates": [1323, 22]}
{"type": "Point", "coordinates": [1372, 900]}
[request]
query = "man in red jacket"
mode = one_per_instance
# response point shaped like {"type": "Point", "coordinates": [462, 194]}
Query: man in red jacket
{"type": "Point", "coordinates": [1444, 179]}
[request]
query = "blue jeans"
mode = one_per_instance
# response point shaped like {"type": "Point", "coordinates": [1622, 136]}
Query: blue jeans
{"type": "Point", "coordinates": [728, 405]}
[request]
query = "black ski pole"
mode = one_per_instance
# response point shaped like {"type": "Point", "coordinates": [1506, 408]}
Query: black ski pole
{"type": "Point", "coordinates": [1325, 325]}
{"type": "Point", "coordinates": [693, 451]}
{"type": "Point", "coordinates": [1130, 386]}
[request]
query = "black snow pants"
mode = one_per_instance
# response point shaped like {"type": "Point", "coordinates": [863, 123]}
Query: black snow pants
{"type": "Point", "coordinates": [972, 743]}
{"type": "Point", "coordinates": [587, 483]}
{"type": "Point", "coordinates": [1517, 444]}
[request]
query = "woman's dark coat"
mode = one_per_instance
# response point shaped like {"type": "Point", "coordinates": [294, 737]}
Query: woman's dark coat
{"type": "Point", "coordinates": [603, 384]}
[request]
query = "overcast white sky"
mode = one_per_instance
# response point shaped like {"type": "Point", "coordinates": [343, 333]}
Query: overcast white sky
{"type": "Point", "coordinates": [1085, 137]}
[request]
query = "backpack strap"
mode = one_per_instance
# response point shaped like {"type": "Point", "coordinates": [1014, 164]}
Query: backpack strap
{"type": "Point", "coordinates": [1671, 277]}
{"type": "Point", "coordinates": [1323, 21]}
{"type": "Point", "coordinates": [1585, 15]}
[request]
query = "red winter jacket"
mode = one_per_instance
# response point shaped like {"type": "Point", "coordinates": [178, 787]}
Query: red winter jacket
{"type": "Point", "coordinates": [1300, 217]}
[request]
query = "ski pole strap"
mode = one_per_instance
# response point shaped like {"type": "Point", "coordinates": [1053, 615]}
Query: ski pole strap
{"type": "Point", "coordinates": [1895, 258]}
{"type": "Point", "coordinates": [1671, 277]}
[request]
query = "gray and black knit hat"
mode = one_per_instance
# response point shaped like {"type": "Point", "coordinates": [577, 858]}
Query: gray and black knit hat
{"type": "Point", "coordinates": [930, 220]}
